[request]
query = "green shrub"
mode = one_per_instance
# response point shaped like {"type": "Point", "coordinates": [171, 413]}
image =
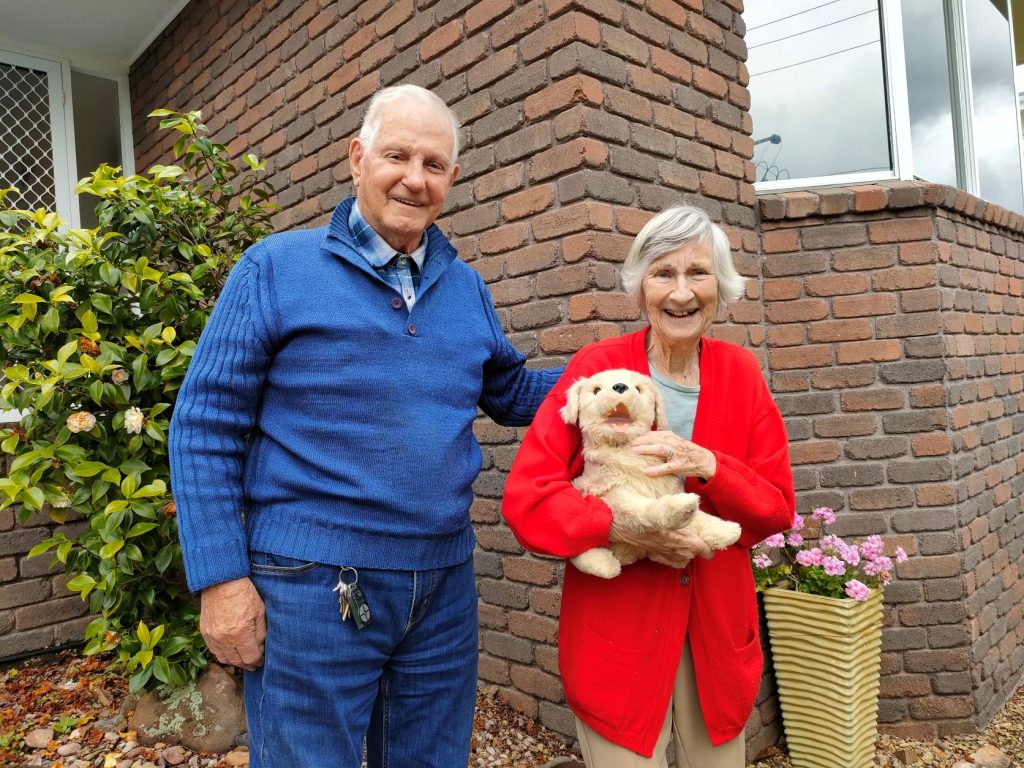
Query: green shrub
{"type": "Point", "coordinates": [97, 328]}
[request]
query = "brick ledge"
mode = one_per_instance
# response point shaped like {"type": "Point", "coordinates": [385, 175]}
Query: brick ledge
{"type": "Point", "coordinates": [889, 195]}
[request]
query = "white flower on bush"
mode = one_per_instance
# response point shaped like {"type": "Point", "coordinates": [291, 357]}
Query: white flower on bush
{"type": "Point", "coordinates": [133, 419]}
{"type": "Point", "coordinates": [81, 421]}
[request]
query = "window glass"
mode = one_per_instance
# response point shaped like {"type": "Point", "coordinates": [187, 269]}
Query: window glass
{"type": "Point", "coordinates": [817, 87]}
{"type": "Point", "coordinates": [931, 110]}
{"type": "Point", "coordinates": [97, 131]}
{"type": "Point", "coordinates": [995, 103]}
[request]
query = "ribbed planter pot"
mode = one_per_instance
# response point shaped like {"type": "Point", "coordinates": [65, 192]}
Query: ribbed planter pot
{"type": "Point", "coordinates": [826, 655]}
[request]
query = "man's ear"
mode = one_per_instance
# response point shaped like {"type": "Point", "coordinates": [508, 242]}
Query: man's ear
{"type": "Point", "coordinates": [571, 410]}
{"type": "Point", "coordinates": [355, 160]}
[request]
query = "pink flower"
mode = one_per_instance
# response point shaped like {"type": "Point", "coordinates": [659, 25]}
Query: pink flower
{"type": "Point", "coordinates": [825, 515]}
{"type": "Point", "coordinates": [775, 541]}
{"type": "Point", "coordinates": [872, 547]}
{"type": "Point", "coordinates": [798, 523]}
{"type": "Point", "coordinates": [809, 556]}
{"type": "Point", "coordinates": [831, 541]}
{"type": "Point", "coordinates": [857, 590]}
{"type": "Point", "coordinates": [878, 566]}
{"type": "Point", "coordinates": [795, 540]}
{"type": "Point", "coordinates": [833, 566]}
{"type": "Point", "coordinates": [762, 561]}
{"type": "Point", "coordinates": [901, 556]}
{"type": "Point", "coordinates": [848, 553]}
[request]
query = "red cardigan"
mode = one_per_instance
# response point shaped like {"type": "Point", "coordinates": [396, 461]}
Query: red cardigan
{"type": "Point", "coordinates": [620, 640]}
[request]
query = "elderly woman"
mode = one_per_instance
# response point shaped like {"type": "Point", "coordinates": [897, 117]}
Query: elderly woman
{"type": "Point", "coordinates": [669, 648]}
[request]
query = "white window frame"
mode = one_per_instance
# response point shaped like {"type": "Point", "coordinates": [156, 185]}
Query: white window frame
{"type": "Point", "coordinates": [62, 127]}
{"type": "Point", "coordinates": [898, 102]}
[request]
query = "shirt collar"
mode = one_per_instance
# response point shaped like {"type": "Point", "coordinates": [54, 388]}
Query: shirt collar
{"type": "Point", "coordinates": [372, 246]}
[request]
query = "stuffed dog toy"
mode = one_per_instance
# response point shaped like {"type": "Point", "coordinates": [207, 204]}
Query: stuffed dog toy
{"type": "Point", "coordinates": [611, 408]}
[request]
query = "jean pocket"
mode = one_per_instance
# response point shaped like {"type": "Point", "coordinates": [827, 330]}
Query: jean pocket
{"type": "Point", "coordinates": [268, 564]}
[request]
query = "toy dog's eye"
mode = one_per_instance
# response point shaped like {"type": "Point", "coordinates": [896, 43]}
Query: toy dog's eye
{"type": "Point", "coordinates": [596, 390]}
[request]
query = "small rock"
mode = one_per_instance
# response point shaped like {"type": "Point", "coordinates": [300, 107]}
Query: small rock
{"type": "Point", "coordinates": [123, 764]}
{"type": "Point", "coordinates": [237, 758]}
{"type": "Point", "coordinates": [115, 723]}
{"type": "Point", "coordinates": [75, 735]}
{"type": "Point", "coordinates": [907, 756]}
{"type": "Point", "coordinates": [71, 748]}
{"type": "Point", "coordinates": [111, 736]}
{"type": "Point", "coordinates": [82, 764]}
{"type": "Point", "coordinates": [38, 738]}
{"type": "Point", "coordinates": [174, 755]}
{"type": "Point", "coordinates": [990, 757]}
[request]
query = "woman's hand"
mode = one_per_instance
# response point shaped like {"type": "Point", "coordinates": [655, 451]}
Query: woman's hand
{"type": "Point", "coordinates": [680, 457]}
{"type": "Point", "coordinates": [672, 548]}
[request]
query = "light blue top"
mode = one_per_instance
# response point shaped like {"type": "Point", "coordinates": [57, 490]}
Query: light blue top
{"type": "Point", "coordinates": [680, 404]}
{"type": "Point", "coordinates": [391, 265]}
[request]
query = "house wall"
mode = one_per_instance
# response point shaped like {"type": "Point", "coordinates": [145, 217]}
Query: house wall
{"type": "Point", "coordinates": [580, 117]}
{"type": "Point", "coordinates": [894, 316]}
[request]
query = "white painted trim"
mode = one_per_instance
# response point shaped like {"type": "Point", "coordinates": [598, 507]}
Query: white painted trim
{"type": "Point", "coordinates": [60, 116]}
{"type": "Point", "coordinates": [1017, 80]}
{"type": "Point", "coordinates": [124, 98]}
{"type": "Point", "coordinates": [962, 96]}
{"type": "Point", "coordinates": [90, 65]}
{"type": "Point", "coordinates": [895, 69]}
{"type": "Point", "coordinates": [69, 147]}
{"type": "Point", "coordinates": [839, 179]}
{"type": "Point", "coordinates": [171, 16]}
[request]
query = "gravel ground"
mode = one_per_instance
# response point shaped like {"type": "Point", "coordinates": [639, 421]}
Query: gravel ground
{"type": "Point", "coordinates": [52, 713]}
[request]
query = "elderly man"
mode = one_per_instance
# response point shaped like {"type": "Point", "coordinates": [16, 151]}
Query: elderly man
{"type": "Point", "coordinates": [323, 459]}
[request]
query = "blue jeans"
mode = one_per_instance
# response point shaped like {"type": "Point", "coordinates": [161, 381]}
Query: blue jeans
{"type": "Point", "coordinates": [406, 682]}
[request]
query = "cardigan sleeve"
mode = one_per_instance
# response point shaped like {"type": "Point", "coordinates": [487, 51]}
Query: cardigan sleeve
{"type": "Point", "coordinates": [214, 414]}
{"type": "Point", "coordinates": [756, 490]}
{"type": "Point", "coordinates": [541, 506]}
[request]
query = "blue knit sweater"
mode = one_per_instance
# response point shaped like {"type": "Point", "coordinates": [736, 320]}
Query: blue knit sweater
{"type": "Point", "coordinates": [334, 421]}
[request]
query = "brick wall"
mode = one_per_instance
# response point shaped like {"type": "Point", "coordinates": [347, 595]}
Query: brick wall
{"type": "Point", "coordinates": [579, 118]}
{"type": "Point", "coordinates": [894, 319]}
{"type": "Point", "coordinates": [36, 610]}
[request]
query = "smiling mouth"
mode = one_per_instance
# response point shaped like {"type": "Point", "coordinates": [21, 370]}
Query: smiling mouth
{"type": "Point", "coordinates": [619, 419]}
{"type": "Point", "coordinates": [681, 313]}
{"type": "Point", "coordinates": [410, 203]}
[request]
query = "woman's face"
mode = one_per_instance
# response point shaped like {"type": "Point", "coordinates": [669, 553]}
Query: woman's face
{"type": "Point", "coordinates": [680, 294]}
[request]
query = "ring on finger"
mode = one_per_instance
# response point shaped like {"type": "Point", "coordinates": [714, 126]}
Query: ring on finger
{"type": "Point", "coordinates": [670, 455]}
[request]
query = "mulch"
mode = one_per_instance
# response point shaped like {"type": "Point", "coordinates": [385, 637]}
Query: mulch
{"type": "Point", "coordinates": [81, 700]}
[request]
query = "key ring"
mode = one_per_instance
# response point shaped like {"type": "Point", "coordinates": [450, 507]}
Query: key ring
{"type": "Point", "coordinates": [342, 584]}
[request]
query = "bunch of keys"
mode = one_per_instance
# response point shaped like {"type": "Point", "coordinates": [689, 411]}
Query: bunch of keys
{"type": "Point", "coordinates": [351, 601]}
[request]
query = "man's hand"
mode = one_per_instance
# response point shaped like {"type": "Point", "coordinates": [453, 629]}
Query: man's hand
{"type": "Point", "coordinates": [672, 548]}
{"type": "Point", "coordinates": [233, 623]}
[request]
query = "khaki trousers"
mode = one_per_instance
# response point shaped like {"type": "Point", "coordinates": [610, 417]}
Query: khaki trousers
{"type": "Point", "coordinates": [684, 723]}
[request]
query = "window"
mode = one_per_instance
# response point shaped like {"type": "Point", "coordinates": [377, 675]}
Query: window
{"type": "Point", "coordinates": [845, 91]}
{"type": "Point", "coordinates": [56, 126]}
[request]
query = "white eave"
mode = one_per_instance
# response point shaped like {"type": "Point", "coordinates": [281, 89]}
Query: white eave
{"type": "Point", "coordinates": [97, 36]}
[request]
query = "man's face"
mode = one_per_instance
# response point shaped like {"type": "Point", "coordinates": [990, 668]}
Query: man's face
{"type": "Point", "coordinates": [403, 177]}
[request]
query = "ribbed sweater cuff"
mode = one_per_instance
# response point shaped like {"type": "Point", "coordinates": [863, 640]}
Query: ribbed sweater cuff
{"type": "Point", "coordinates": [216, 563]}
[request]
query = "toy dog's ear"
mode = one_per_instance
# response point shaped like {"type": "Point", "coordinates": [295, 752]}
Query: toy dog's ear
{"type": "Point", "coordinates": [571, 411]}
{"type": "Point", "coordinates": [659, 408]}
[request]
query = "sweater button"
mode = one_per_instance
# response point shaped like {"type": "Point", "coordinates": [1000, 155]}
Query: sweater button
{"type": "Point", "coordinates": [684, 580]}
{"type": "Point", "coordinates": [412, 329]}
{"type": "Point", "coordinates": [396, 303]}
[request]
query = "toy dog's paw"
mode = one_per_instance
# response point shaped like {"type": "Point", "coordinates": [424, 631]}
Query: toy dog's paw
{"type": "Point", "coordinates": [718, 533]}
{"type": "Point", "coordinates": [598, 562]}
{"type": "Point", "coordinates": [673, 512]}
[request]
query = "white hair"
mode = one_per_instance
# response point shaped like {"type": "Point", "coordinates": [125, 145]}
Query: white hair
{"type": "Point", "coordinates": [672, 229]}
{"type": "Point", "coordinates": [395, 93]}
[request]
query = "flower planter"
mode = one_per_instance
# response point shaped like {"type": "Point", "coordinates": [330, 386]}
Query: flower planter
{"type": "Point", "coordinates": [826, 655]}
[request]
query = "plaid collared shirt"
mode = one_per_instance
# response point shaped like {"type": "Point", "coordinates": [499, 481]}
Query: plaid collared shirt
{"type": "Point", "coordinates": [396, 268]}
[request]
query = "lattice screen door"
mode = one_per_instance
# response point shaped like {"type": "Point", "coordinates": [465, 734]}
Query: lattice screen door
{"type": "Point", "coordinates": [33, 134]}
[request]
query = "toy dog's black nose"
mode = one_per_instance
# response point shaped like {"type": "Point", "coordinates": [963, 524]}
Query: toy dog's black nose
{"type": "Point", "coordinates": [620, 388]}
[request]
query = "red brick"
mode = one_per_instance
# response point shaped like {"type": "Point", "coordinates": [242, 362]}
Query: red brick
{"type": "Point", "coordinates": [498, 182]}
{"type": "Point", "coordinates": [360, 41]}
{"type": "Point", "coordinates": [531, 570]}
{"type": "Point", "coordinates": [528, 202]}
{"type": "Point", "coordinates": [577, 89]}
{"type": "Point", "coordinates": [835, 285]}
{"type": "Point", "coordinates": [539, 628]}
{"type": "Point", "coordinates": [532, 680]}
{"type": "Point", "coordinates": [572, 338]}
{"type": "Point", "coordinates": [677, 69]}
{"type": "Point", "coordinates": [868, 351]}
{"type": "Point", "coordinates": [828, 331]}
{"type": "Point", "coordinates": [574, 218]}
{"type": "Point", "coordinates": [782, 289]}
{"type": "Point", "coordinates": [503, 238]}
{"type": "Point", "coordinates": [710, 82]}
{"type": "Point", "coordinates": [863, 306]}
{"type": "Point", "coordinates": [668, 10]}
{"type": "Point", "coordinates": [872, 400]}
{"type": "Point", "coordinates": [574, 154]}
{"type": "Point", "coordinates": [780, 241]}
{"type": "Point", "coordinates": [517, 24]}
{"type": "Point", "coordinates": [813, 452]}
{"type": "Point", "coordinates": [802, 310]}
{"type": "Point", "coordinates": [464, 55]}
{"type": "Point", "coordinates": [564, 30]}
{"type": "Point", "coordinates": [900, 230]}
{"type": "Point", "coordinates": [303, 168]}
{"type": "Point", "coordinates": [630, 220]}
{"type": "Point", "coordinates": [800, 204]}
{"type": "Point", "coordinates": [441, 39]}
{"type": "Point", "coordinates": [603, 306]}
{"type": "Point", "coordinates": [870, 198]}
{"type": "Point", "coordinates": [399, 12]}
{"type": "Point", "coordinates": [900, 279]}
{"type": "Point", "coordinates": [362, 89]}
{"type": "Point", "coordinates": [531, 259]}
{"type": "Point", "coordinates": [930, 444]}
{"type": "Point", "coordinates": [603, 246]}
{"type": "Point", "coordinates": [492, 68]}
{"type": "Point", "coordinates": [648, 83]}
{"type": "Point", "coordinates": [719, 187]}
{"type": "Point", "coordinates": [815, 356]}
